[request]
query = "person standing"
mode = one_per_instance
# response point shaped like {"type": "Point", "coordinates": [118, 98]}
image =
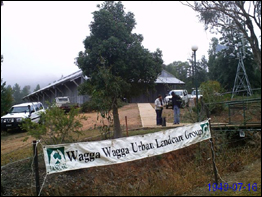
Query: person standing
{"type": "Point", "coordinates": [176, 105]}
{"type": "Point", "coordinates": [159, 108]}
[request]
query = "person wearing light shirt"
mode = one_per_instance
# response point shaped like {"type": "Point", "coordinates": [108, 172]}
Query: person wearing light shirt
{"type": "Point", "coordinates": [159, 108]}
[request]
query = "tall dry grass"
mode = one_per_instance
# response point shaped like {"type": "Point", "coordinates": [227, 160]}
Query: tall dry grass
{"type": "Point", "coordinates": [176, 173]}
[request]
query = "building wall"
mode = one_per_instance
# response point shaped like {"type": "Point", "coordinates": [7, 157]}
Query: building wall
{"type": "Point", "coordinates": [150, 96]}
{"type": "Point", "coordinates": [68, 88]}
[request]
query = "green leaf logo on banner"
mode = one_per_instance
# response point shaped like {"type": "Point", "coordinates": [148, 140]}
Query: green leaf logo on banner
{"type": "Point", "coordinates": [56, 158]}
{"type": "Point", "coordinates": [205, 129]}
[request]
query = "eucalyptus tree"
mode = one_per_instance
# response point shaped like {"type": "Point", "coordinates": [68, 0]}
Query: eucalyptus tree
{"type": "Point", "coordinates": [185, 71]}
{"type": "Point", "coordinates": [115, 61]}
{"type": "Point", "coordinates": [222, 66]}
{"type": "Point", "coordinates": [224, 59]}
{"type": "Point", "coordinates": [243, 16]}
{"type": "Point", "coordinates": [182, 71]}
{"type": "Point", "coordinates": [179, 69]}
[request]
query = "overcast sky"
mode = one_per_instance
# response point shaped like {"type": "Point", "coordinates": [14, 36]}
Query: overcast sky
{"type": "Point", "coordinates": [40, 40]}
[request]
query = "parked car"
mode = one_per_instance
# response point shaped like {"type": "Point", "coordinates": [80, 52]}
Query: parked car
{"type": "Point", "coordinates": [65, 104]}
{"type": "Point", "coordinates": [199, 94]}
{"type": "Point", "coordinates": [182, 93]}
{"type": "Point", "coordinates": [17, 113]}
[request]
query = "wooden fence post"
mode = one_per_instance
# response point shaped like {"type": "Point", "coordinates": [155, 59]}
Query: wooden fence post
{"type": "Point", "coordinates": [126, 127]}
{"type": "Point", "coordinates": [213, 154]}
{"type": "Point", "coordinates": [35, 158]}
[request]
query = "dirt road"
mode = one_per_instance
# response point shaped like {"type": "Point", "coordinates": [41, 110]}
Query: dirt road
{"type": "Point", "coordinates": [15, 140]}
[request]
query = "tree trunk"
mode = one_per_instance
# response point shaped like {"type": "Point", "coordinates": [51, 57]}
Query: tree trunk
{"type": "Point", "coordinates": [252, 39]}
{"type": "Point", "coordinates": [117, 127]}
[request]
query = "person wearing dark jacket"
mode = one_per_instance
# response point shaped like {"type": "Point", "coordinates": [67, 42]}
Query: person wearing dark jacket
{"type": "Point", "coordinates": [176, 104]}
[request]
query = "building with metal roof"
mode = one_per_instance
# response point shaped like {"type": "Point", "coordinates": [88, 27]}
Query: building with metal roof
{"type": "Point", "coordinates": [67, 86]}
{"type": "Point", "coordinates": [164, 83]}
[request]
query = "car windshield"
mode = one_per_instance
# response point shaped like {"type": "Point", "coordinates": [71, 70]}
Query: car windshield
{"type": "Point", "coordinates": [62, 99]}
{"type": "Point", "coordinates": [19, 109]}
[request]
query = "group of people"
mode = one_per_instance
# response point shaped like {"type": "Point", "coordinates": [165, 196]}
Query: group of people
{"type": "Point", "coordinates": [160, 104]}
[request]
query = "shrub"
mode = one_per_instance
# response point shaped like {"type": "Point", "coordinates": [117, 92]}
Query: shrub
{"type": "Point", "coordinates": [211, 91]}
{"type": "Point", "coordinates": [55, 126]}
{"type": "Point", "coordinates": [86, 107]}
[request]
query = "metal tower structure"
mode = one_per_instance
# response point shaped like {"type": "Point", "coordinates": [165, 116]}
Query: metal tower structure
{"type": "Point", "coordinates": [241, 81]}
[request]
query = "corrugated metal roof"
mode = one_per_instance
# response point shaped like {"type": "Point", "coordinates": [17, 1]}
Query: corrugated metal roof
{"type": "Point", "coordinates": [170, 80]}
{"type": "Point", "coordinates": [72, 76]}
{"type": "Point", "coordinates": [164, 77]}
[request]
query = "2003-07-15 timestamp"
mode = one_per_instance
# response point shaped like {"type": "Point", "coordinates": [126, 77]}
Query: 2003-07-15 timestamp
{"type": "Point", "coordinates": [235, 187]}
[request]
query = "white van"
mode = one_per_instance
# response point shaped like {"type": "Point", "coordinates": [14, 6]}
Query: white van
{"type": "Point", "coordinates": [19, 112]}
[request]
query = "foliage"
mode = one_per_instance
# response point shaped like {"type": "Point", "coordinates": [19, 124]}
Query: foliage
{"type": "Point", "coordinates": [242, 16]}
{"type": "Point", "coordinates": [211, 91]}
{"type": "Point", "coordinates": [37, 88]}
{"type": "Point", "coordinates": [105, 117]}
{"type": "Point", "coordinates": [6, 94]}
{"type": "Point", "coordinates": [181, 70]}
{"type": "Point", "coordinates": [223, 61]}
{"type": "Point", "coordinates": [25, 91]}
{"type": "Point", "coordinates": [86, 107]}
{"type": "Point", "coordinates": [184, 72]}
{"type": "Point", "coordinates": [163, 178]}
{"type": "Point", "coordinates": [115, 60]}
{"type": "Point", "coordinates": [55, 126]}
{"type": "Point", "coordinates": [17, 94]}
{"type": "Point", "coordinates": [6, 98]}
{"type": "Point", "coordinates": [194, 161]}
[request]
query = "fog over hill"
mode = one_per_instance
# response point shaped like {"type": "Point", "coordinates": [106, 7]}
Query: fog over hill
{"type": "Point", "coordinates": [31, 80]}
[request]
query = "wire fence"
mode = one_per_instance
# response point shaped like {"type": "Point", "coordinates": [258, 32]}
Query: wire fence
{"type": "Point", "coordinates": [165, 174]}
{"type": "Point", "coordinates": [172, 173]}
{"type": "Point", "coordinates": [241, 112]}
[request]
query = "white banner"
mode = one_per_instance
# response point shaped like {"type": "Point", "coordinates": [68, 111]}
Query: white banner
{"type": "Point", "coordinates": [64, 157]}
